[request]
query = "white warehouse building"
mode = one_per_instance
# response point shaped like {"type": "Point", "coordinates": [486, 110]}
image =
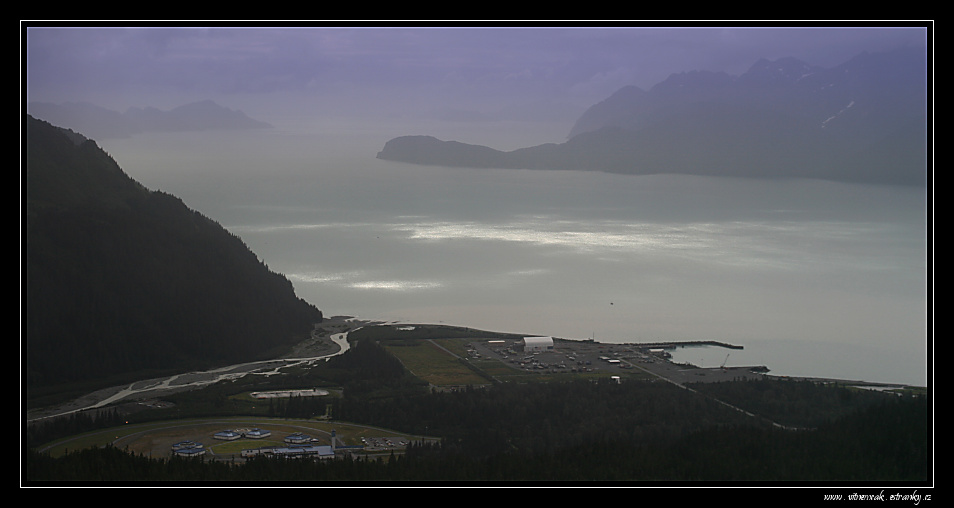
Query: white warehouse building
{"type": "Point", "coordinates": [537, 344]}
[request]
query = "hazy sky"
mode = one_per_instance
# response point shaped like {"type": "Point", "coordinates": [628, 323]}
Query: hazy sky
{"type": "Point", "coordinates": [472, 72]}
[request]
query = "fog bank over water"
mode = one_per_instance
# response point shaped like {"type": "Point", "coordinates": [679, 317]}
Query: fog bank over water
{"type": "Point", "coordinates": [812, 278]}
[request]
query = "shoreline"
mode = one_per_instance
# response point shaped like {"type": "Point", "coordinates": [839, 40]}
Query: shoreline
{"type": "Point", "coordinates": [329, 338]}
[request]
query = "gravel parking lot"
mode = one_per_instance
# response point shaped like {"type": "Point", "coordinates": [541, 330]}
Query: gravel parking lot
{"type": "Point", "coordinates": [613, 359]}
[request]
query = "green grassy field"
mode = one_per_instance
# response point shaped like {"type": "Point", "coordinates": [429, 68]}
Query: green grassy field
{"type": "Point", "coordinates": [446, 362]}
{"type": "Point", "coordinates": [156, 438]}
{"type": "Point", "coordinates": [436, 361]}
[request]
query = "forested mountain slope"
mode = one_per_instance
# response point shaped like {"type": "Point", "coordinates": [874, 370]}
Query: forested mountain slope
{"type": "Point", "coordinates": [120, 281]}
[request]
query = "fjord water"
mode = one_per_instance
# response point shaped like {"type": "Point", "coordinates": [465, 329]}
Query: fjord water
{"type": "Point", "coordinates": [812, 278]}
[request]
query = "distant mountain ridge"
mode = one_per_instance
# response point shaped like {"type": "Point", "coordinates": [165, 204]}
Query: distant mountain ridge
{"type": "Point", "coordinates": [862, 121]}
{"type": "Point", "coordinates": [100, 123]}
{"type": "Point", "coordinates": [122, 282]}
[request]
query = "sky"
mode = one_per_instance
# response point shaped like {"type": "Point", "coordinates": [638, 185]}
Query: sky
{"type": "Point", "coordinates": [534, 73]}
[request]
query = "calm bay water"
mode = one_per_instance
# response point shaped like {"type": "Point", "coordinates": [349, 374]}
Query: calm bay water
{"type": "Point", "coordinates": [812, 278]}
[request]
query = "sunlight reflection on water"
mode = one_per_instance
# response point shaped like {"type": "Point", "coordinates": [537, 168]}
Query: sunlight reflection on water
{"type": "Point", "coordinates": [573, 254]}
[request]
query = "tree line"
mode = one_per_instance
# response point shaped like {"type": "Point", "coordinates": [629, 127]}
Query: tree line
{"type": "Point", "coordinates": [883, 443]}
{"type": "Point", "coordinates": [637, 431]}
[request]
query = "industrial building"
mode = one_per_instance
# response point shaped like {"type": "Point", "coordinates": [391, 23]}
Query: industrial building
{"type": "Point", "coordinates": [188, 449]}
{"type": "Point", "coordinates": [297, 438]}
{"type": "Point", "coordinates": [316, 451]}
{"type": "Point", "coordinates": [227, 435]}
{"type": "Point", "coordinates": [258, 434]}
{"type": "Point", "coordinates": [297, 450]}
{"type": "Point", "coordinates": [536, 344]}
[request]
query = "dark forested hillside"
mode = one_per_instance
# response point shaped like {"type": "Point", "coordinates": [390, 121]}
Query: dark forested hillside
{"type": "Point", "coordinates": [646, 432]}
{"type": "Point", "coordinates": [640, 432]}
{"type": "Point", "coordinates": [120, 280]}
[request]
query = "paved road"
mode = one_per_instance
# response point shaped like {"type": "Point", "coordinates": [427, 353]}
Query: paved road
{"type": "Point", "coordinates": [151, 388]}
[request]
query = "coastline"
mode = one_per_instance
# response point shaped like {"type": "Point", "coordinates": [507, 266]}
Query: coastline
{"type": "Point", "coordinates": [329, 338]}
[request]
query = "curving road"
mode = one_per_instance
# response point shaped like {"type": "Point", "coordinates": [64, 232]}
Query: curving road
{"type": "Point", "coordinates": [157, 387]}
